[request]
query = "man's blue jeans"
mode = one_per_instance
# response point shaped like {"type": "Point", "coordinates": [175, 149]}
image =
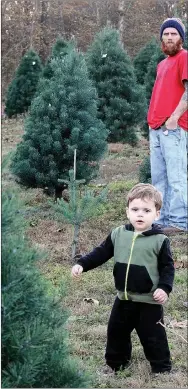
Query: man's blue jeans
{"type": "Point", "coordinates": [168, 156]}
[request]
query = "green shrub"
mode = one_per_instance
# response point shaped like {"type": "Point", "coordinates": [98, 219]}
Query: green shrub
{"type": "Point", "coordinates": [145, 171]}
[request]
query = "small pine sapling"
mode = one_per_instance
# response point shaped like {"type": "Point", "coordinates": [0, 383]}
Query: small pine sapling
{"type": "Point", "coordinates": [82, 205]}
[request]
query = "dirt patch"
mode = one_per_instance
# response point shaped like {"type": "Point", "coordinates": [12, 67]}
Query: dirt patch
{"type": "Point", "coordinates": [52, 237]}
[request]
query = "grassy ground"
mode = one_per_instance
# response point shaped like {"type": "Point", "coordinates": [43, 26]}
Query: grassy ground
{"type": "Point", "coordinates": [87, 323]}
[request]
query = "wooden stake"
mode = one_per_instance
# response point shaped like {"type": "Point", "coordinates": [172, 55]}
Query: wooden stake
{"type": "Point", "coordinates": [74, 164]}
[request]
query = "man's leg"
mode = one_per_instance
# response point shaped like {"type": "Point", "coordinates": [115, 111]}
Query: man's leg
{"type": "Point", "coordinates": [158, 172]}
{"type": "Point", "coordinates": [174, 149]}
{"type": "Point", "coordinates": [153, 337]}
{"type": "Point", "coordinates": [120, 326]}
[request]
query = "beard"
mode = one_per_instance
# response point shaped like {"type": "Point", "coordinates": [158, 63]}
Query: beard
{"type": "Point", "coordinates": [172, 48]}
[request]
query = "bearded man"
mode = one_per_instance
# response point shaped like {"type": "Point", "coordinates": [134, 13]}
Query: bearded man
{"type": "Point", "coordinates": [168, 126]}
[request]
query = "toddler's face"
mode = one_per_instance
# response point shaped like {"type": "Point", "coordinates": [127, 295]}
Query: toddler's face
{"type": "Point", "coordinates": [142, 214]}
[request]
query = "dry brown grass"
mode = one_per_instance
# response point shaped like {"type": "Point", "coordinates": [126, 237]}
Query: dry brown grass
{"type": "Point", "coordinates": [11, 133]}
{"type": "Point", "coordinates": [116, 148]}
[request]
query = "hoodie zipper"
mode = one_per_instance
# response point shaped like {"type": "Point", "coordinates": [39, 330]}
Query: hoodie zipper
{"type": "Point", "coordinates": [128, 264]}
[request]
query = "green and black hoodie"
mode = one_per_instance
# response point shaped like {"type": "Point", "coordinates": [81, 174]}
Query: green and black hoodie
{"type": "Point", "coordinates": [142, 262]}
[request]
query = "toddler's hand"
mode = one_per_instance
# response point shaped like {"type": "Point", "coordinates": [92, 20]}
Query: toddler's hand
{"type": "Point", "coordinates": [76, 270]}
{"type": "Point", "coordinates": [160, 296]}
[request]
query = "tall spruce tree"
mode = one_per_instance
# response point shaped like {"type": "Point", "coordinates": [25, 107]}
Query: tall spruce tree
{"type": "Point", "coordinates": [61, 48]}
{"type": "Point", "coordinates": [143, 59]}
{"type": "Point", "coordinates": [63, 117]}
{"type": "Point", "coordinates": [122, 104]}
{"type": "Point", "coordinates": [150, 77]}
{"type": "Point", "coordinates": [35, 351]}
{"type": "Point", "coordinates": [23, 87]}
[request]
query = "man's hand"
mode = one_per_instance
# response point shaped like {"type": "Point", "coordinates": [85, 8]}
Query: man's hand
{"type": "Point", "coordinates": [76, 271]}
{"type": "Point", "coordinates": [171, 123]}
{"type": "Point", "coordinates": [160, 296]}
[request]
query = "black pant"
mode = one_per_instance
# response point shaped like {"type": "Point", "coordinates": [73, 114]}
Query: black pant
{"type": "Point", "coordinates": [127, 315]}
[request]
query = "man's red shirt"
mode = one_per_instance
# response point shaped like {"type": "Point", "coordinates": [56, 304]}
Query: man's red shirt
{"type": "Point", "coordinates": [168, 90]}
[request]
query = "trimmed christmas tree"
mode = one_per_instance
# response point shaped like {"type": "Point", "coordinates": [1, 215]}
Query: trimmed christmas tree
{"type": "Point", "coordinates": [145, 171]}
{"type": "Point", "coordinates": [35, 351]}
{"type": "Point", "coordinates": [63, 117]}
{"type": "Point", "coordinates": [23, 87]}
{"type": "Point", "coordinates": [143, 59]}
{"type": "Point", "coordinates": [122, 103]}
{"type": "Point", "coordinates": [150, 77]}
{"type": "Point", "coordinates": [150, 80]}
{"type": "Point", "coordinates": [61, 48]}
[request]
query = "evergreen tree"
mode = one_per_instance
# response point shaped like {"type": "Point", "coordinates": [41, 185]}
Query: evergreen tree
{"type": "Point", "coordinates": [121, 101]}
{"type": "Point", "coordinates": [82, 205]}
{"type": "Point", "coordinates": [150, 77]}
{"type": "Point", "coordinates": [143, 59]}
{"type": "Point", "coordinates": [145, 171]}
{"type": "Point", "coordinates": [23, 87]}
{"type": "Point", "coordinates": [63, 117]}
{"type": "Point", "coordinates": [35, 351]}
{"type": "Point", "coordinates": [61, 48]}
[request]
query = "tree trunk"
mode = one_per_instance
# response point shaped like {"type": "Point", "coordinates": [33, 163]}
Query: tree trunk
{"type": "Point", "coordinates": [108, 21]}
{"type": "Point", "coordinates": [26, 24]}
{"type": "Point", "coordinates": [61, 28]}
{"type": "Point", "coordinates": [121, 26]}
{"type": "Point", "coordinates": [167, 8]}
{"type": "Point", "coordinates": [97, 14]}
{"type": "Point", "coordinates": [43, 30]}
{"type": "Point", "coordinates": [58, 193]}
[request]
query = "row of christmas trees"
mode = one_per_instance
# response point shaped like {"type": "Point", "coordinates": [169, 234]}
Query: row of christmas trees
{"type": "Point", "coordinates": [78, 102]}
{"type": "Point", "coordinates": [99, 59]}
{"type": "Point", "coordinates": [120, 101]}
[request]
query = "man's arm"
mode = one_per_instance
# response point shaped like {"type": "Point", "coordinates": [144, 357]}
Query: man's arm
{"type": "Point", "coordinates": [172, 121]}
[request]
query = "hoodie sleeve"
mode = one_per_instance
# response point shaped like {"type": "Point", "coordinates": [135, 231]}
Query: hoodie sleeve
{"type": "Point", "coordinates": [165, 267]}
{"type": "Point", "coordinates": [98, 256]}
